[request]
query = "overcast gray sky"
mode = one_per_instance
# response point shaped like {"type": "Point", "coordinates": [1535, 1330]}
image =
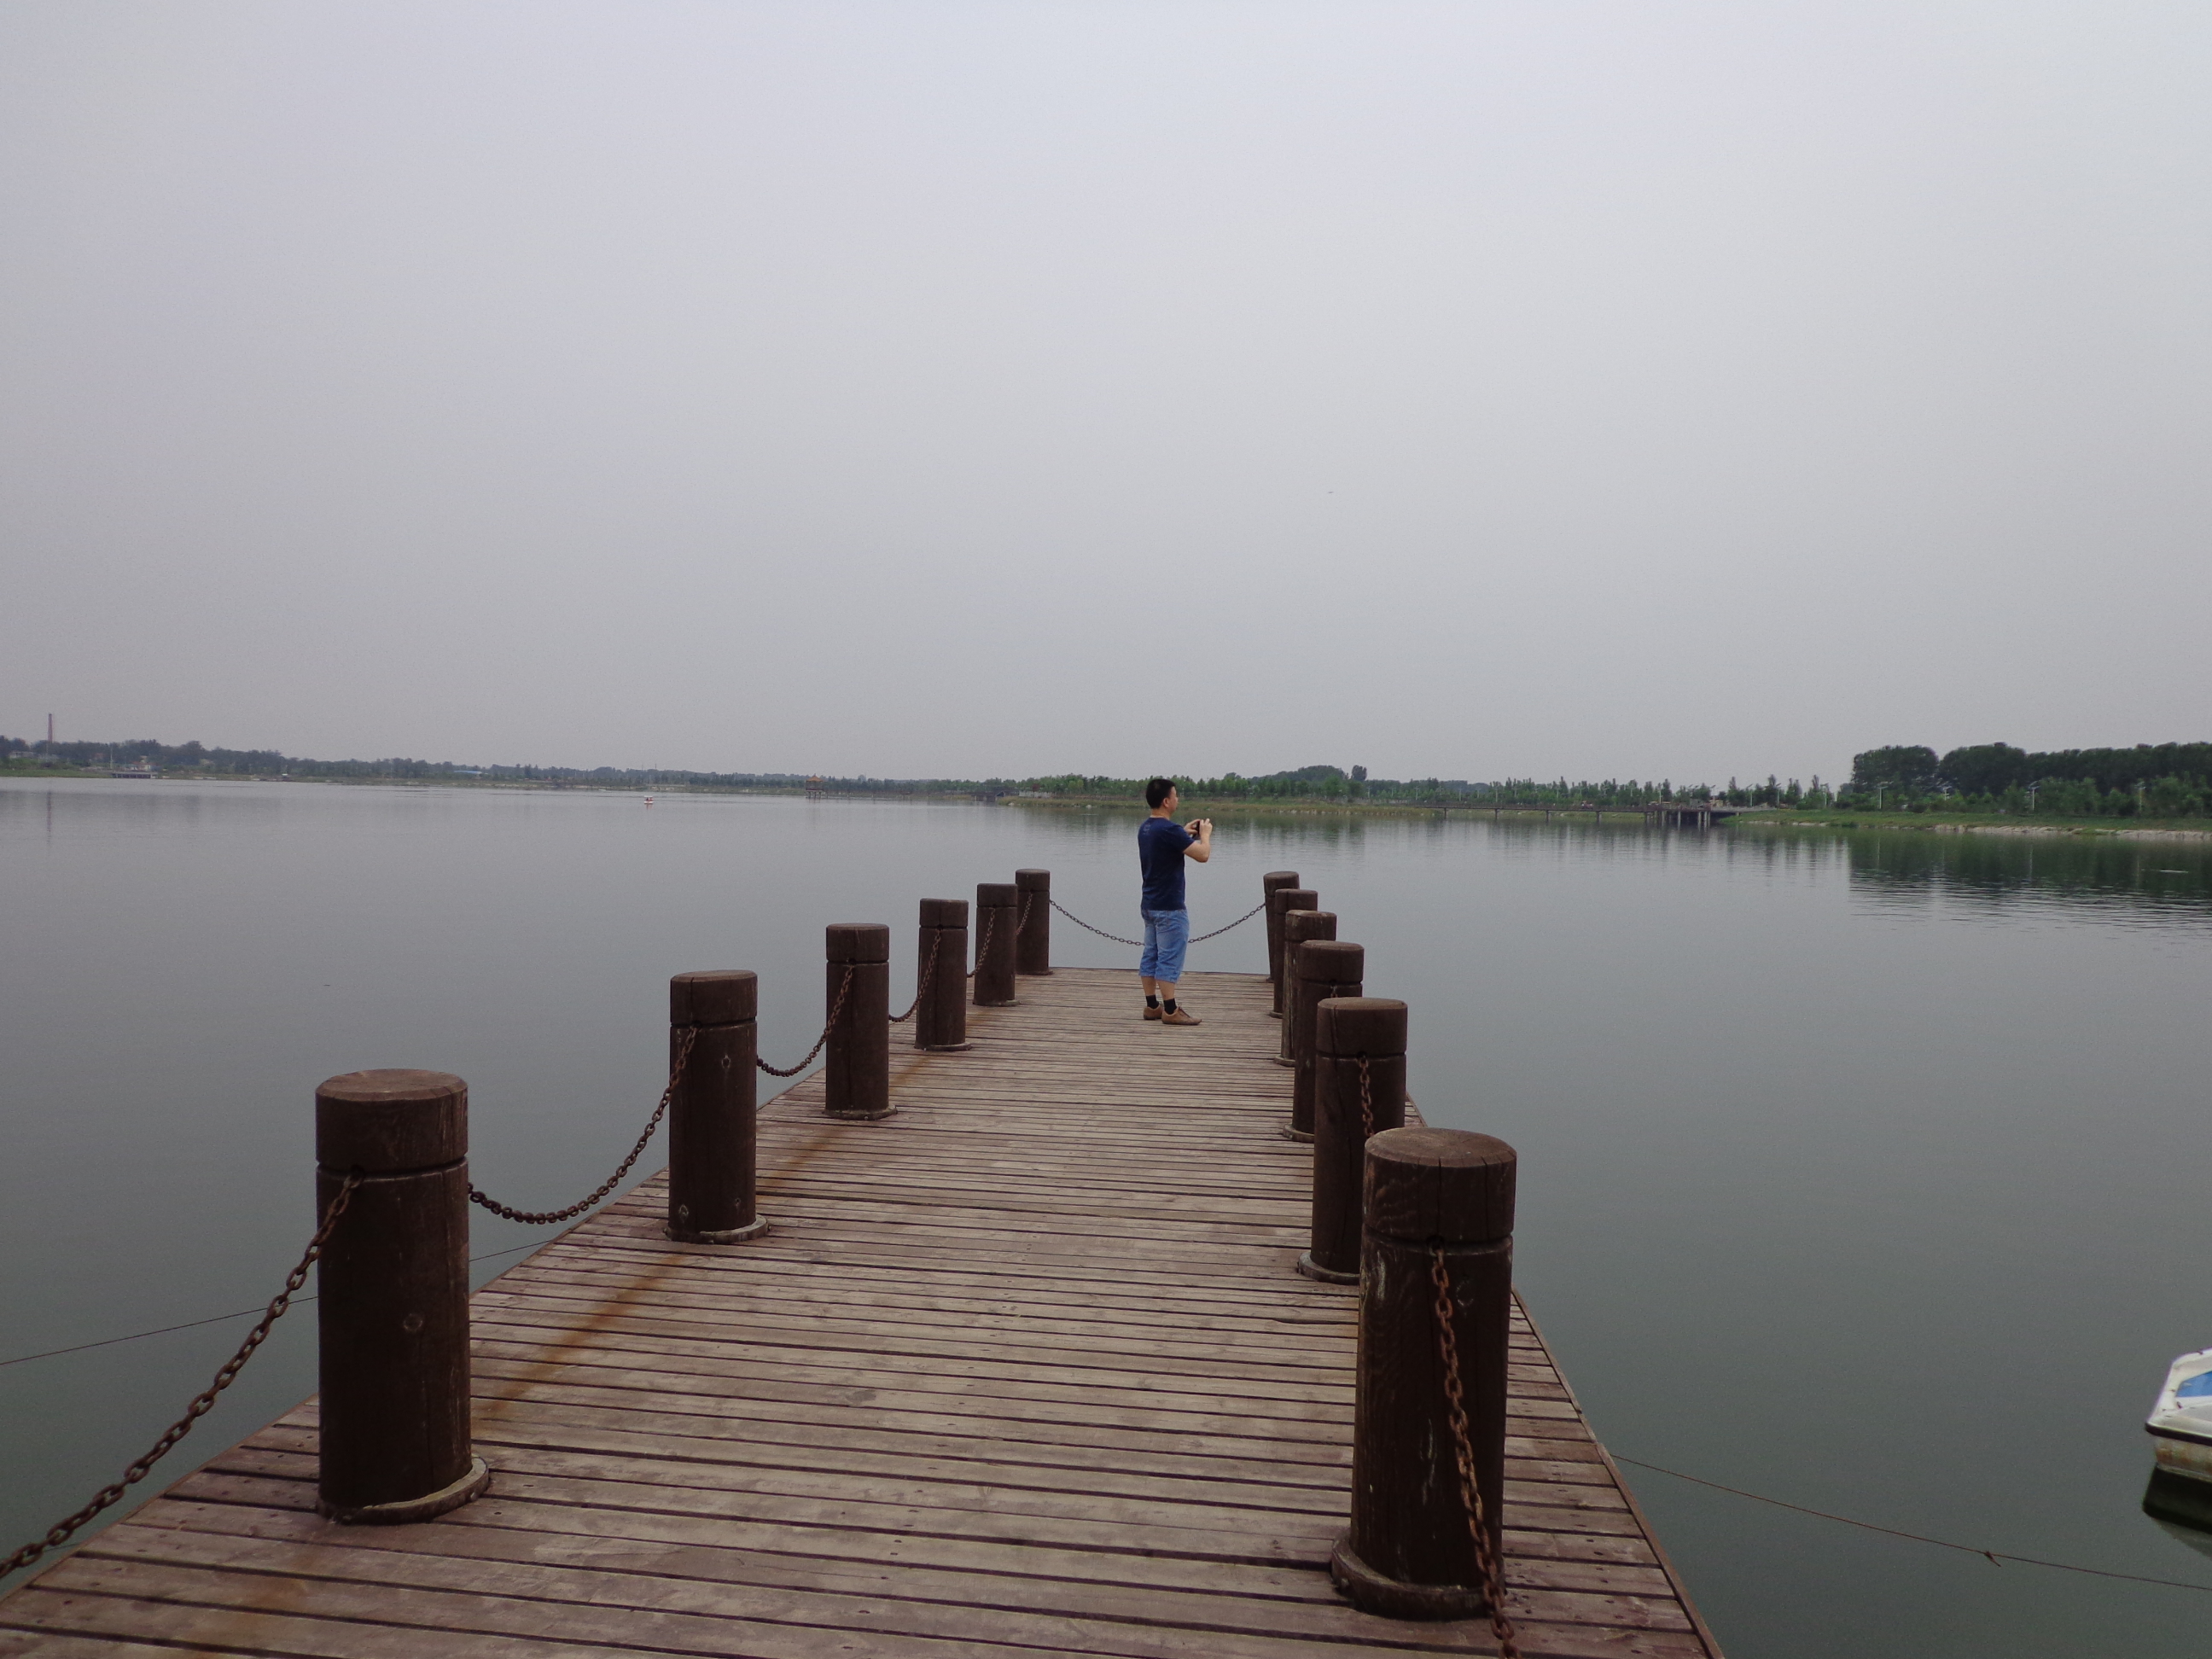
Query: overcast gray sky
{"type": "Point", "coordinates": [950, 389]}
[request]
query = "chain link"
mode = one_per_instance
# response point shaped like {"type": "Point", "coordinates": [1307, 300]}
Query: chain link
{"type": "Point", "coordinates": [1239, 923]}
{"type": "Point", "coordinates": [1138, 943]}
{"type": "Point", "coordinates": [836, 1009]}
{"type": "Point", "coordinates": [1087, 929]}
{"type": "Point", "coordinates": [544, 1217]}
{"type": "Point", "coordinates": [1485, 1559]}
{"type": "Point", "coordinates": [203, 1402]}
{"type": "Point", "coordinates": [1366, 1102]}
{"type": "Point", "coordinates": [928, 969]}
{"type": "Point", "coordinates": [983, 945]}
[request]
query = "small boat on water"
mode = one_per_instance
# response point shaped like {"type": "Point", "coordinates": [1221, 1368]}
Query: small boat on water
{"type": "Point", "coordinates": [2180, 1427]}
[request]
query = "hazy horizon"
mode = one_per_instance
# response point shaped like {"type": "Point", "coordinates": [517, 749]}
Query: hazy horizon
{"type": "Point", "coordinates": [971, 389]}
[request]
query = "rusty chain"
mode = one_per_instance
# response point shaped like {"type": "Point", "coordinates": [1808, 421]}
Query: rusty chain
{"type": "Point", "coordinates": [928, 970]}
{"type": "Point", "coordinates": [203, 1402]}
{"type": "Point", "coordinates": [836, 1009]}
{"type": "Point", "coordinates": [1087, 929]}
{"type": "Point", "coordinates": [1239, 923]}
{"type": "Point", "coordinates": [1138, 943]}
{"type": "Point", "coordinates": [1366, 1102]}
{"type": "Point", "coordinates": [1485, 1559]}
{"type": "Point", "coordinates": [542, 1217]}
{"type": "Point", "coordinates": [983, 945]}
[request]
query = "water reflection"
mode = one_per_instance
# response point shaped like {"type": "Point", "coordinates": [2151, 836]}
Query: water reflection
{"type": "Point", "coordinates": [2155, 880]}
{"type": "Point", "coordinates": [1901, 1221]}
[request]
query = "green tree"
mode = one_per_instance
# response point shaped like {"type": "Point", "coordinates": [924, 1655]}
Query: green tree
{"type": "Point", "coordinates": [1902, 769]}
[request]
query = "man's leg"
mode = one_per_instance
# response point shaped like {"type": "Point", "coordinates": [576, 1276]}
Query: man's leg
{"type": "Point", "coordinates": [1175, 939]}
{"type": "Point", "coordinates": [1148, 966]}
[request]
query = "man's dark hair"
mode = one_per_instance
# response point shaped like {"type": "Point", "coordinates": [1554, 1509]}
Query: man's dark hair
{"type": "Point", "coordinates": [1158, 791]}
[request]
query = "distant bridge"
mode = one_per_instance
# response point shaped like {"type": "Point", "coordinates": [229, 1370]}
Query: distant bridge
{"type": "Point", "coordinates": [1687, 814]}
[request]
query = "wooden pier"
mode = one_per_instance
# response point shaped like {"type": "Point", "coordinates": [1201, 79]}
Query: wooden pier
{"type": "Point", "coordinates": [1022, 1369]}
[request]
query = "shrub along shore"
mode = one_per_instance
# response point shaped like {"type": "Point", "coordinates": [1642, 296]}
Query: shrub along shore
{"type": "Point", "coordinates": [2162, 790]}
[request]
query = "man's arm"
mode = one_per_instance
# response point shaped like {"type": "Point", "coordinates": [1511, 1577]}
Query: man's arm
{"type": "Point", "coordinates": [1201, 848]}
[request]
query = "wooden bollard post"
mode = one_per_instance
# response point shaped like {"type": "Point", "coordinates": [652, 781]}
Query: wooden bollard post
{"type": "Point", "coordinates": [998, 908]}
{"type": "Point", "coordinates": [1350, 1034]}
{"type": "Point", "coordinates": [1033, 936]}
{"type": "Point", "coordinates": [1274, 882]}
{"type": "Point", "coordinates": [940, 1018]}
{"type": "Point", "coordinates": [1319, 968]}
{"type": "Point", "coordinates": [1410, 1552]}
{"type": "Point", "coordinates": [394, 1311]}
{"type": "Point", "coordinates": [1300, 923]}
{"type": "Point", "coordinates": [1281, 903]}
{"type": "Point", "coordinates": [856, 1081]}
{"type": "Point", "coordinates": [711, 1163]}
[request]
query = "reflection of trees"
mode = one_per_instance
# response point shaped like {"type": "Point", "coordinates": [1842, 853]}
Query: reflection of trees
{"type": "Point", "coordinates": [1993, 871]}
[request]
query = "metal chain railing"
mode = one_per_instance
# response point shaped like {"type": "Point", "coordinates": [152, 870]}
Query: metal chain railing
{"type": "Point", "coordinates": [1087, 929]}
{"type": "Point", "coordinates": [1485, 1559]}
{"type": "Point", "coordinates": [836, 1009]}
{"type": "Point", "coordinates": [1138, 943]}
{"type": "Point", "coordinates": [983, 945]}
{"type": "Point", "coordinates": [1239, 923]}
{"type": "Point", "coordinates": [929, 971]}
{"type": "Point", "coordinates": [544, 1217]}
{"type": "Point", "coordinates": [62, 1531]}
{"type": "Point", "coordinates": [1366, 1102]}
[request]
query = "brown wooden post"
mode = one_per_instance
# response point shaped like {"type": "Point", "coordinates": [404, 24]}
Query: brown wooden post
{"type": "Point", "coordinates": [1281, 903]}
{"type": "Point", "coordinates": [941, 1019]}
{"type": "Point", "coordinates": [1274, 882]}
{"type": "Point", "coordinates": [856, 1083]}
{"type": "Point", "coordinates": [394, 1309]}
{"type": "Point", "coordinates": [1319, 968]}
{"type": "Point", "coordinates": [1033, 936]}
{"type": "Point", "coordinates": [711, 1148]}
{"type": "Point", "coordinates": [1410, 1552]}
{"type": "Point", "coordinates": [1300, 923]}
{"type": "Point", "coordinates": [998, 908]}
{"type": "Point", "coordinates": [1349, 1031]}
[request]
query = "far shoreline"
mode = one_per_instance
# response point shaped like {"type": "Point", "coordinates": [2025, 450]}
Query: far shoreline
{"type": "Point", "coordinates": [1844, 819]}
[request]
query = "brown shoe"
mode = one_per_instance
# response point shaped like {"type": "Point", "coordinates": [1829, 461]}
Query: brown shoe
{"type": "Point", "coordinates": [1180, 1016]}
{"type": "Point", "coordinates": [1151, 1012]}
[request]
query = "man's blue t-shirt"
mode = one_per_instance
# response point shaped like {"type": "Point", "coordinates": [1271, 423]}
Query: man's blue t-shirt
{"type": "Point", "coordinates": [1160, 842]}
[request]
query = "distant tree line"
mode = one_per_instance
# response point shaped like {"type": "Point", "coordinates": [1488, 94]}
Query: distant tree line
{"type": "Point", "coordinates": [199, 759]}
{"type": "Point", "coordinates": [1322, 783]}
{"type": "Point", "coordinates": [2164, 779]}
{"type": "Point", "coordinates": [1334, 783]}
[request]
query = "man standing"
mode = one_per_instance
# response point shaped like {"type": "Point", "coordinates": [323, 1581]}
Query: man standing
{"type": "Point", "coordinates": [1162, 845]}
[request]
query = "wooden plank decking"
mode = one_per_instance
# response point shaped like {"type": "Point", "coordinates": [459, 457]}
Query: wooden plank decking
{"type": "Point", "coordinates": [1022, 1369]}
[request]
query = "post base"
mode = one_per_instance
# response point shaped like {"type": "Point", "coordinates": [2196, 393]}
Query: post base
{"type": "Point", "coordinates": [471, 1485]}
{"type": "Point", "coordinates": [1313, 1269]}
{"type": "Point", "coordinates": [947, 1048]}
{"type": "Point", "coordinates": [860, 1117]}
{"type": "Point", "coordinates": [1009, 1003]}
{"type": "Point", "coordinates": [753, 1229]}
{"type": "Point", "coordinates": [1038, 973]}
{"type": "Point", "coordinates": [1370, 1592]}
{"type": "Point", "coordinates": [1280, 1061]}
{"type": "Point", "coordinates": [1289, 1133]}
{"type": "Point", "coordinates": [1274, 1013]}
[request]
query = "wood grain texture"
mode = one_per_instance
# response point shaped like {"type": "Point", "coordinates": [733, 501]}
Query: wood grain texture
{"type": "Point", "coordinates": [1025, 1369]}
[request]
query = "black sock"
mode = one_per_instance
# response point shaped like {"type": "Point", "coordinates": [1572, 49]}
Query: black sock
{"type": "Point", "coordinates": [1150, 1001]}
{"type": "Point", "coordinates": [1167, 1006]}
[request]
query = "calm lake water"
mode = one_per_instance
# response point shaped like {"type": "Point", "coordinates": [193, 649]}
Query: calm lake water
{"type": "Point", "coordinates": [1867, 1171]}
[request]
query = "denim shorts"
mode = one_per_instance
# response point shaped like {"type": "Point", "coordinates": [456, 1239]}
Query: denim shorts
{"type": "Point", "coordinates": [1167, 936]}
